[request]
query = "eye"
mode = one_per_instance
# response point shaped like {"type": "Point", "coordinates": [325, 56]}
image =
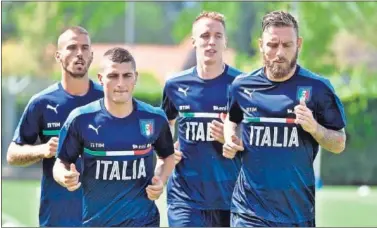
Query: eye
{"type": "Point", "coordinates": [272, 45]}
{"type": "Point", "coordinates": [71, 47]}
{"type": "Point", "coordinates": [112, 76]}
{"type": "Point", "coordinates": [205, 35]}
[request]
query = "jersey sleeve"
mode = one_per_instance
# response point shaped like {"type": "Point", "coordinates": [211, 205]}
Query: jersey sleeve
{"type": "Point", "coordinates": [29, 127]}
{"type": "Point", "coordinates": [164, 144]}
{"type": "Point", "coordinates": [331, 111]}
{"type": "Point", "coordinates": [70, 146]}
{"type": "Point", "coordinates": [234, 110]}
{"type": "Point", "coordinates": [167, 105]}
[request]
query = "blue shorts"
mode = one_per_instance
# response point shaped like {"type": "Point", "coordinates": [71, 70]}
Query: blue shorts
{"type": "Point", "coordinates": [244, 220]}
{"type": "Point", "coordinates": [179, 216]}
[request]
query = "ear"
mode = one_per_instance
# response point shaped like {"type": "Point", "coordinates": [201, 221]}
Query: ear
{"type": "Point", "coordinates": [100, 78]}
{"type": "Point", "coordinates": [193, 41]}
{"type": "Point", "coordinates": [136, 77]}
{"type": "Point", "coordinates": [299, 42]}
{"type": "Point", "coordinates": [57, 56]}
{"type": "Point", "coordinates": [260, 42]}
{"type": "Point", "coordinates": [226, 42]}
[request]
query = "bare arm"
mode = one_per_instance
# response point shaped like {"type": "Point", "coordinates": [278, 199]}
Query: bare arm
{"type": "Point", "coordinates": [331, 140]}
{"type": "Point", "coordinates": [164, 167]}
{"type": "Point", "coordinates": [24, 155]}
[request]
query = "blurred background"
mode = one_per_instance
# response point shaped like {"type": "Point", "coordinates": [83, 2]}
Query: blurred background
{"type": "Point", "coordinates": [339, 43]}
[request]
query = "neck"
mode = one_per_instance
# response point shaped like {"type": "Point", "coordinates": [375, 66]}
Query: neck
{"type": "Point", "coordinates": [119, 110]}
{"type": "Point", "coordinates": [75, 86]}
{"type": "Point", "coordinates": [210, 71]}
{"type": "Point", "coordinates": [280, 79]}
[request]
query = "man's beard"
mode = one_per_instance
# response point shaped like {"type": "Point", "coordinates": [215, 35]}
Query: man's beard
{"type": "Point", "coordinates": [77, 75]}
{"type": "Point", "coordinates": [280, 71]}
{"type": "Point", "coordinates": [74, 75]}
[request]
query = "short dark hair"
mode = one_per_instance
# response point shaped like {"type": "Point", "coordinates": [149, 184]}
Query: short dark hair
{"type": "Point", "coordinates": [279, 19]}
{"type": "Point", "coordinates": [120, 55]}
{"type": "Point", "coordinates": [76, 29]}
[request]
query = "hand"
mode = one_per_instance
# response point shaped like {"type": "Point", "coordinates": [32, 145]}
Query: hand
{"type": "Point", "coordinates": [217, 129]}
{"type": "Point", "coordinates": [231, 148]}
{"type": "Point", "coordinates": [304, 117]}
{"type": "Point", "coordinates": [49, 148]}
{"type": "Point", "coordinates": [177, 153]}
{"type": "Point", "coordinates": [155, 190]}
{"type": "Point", "coordinates": [71, 179]}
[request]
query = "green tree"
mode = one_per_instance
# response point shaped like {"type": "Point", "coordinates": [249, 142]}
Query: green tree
{"type": "Point", "coordinates": [38, 24]}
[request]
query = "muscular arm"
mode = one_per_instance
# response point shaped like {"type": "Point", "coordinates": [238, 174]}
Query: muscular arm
{"type": "Point", "coordinates": [24, 155]}
{"type": "Point", "coordinates": [331, 140]}
{"type": "Point", "coordinates": [164, 167]}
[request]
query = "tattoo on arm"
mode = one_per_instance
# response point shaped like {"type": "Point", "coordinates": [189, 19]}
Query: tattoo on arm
{"type": "Point", "coordinates": [331, 140]}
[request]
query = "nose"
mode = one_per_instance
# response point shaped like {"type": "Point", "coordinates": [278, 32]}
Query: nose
{"type": "Point", "coordinates": [121, 82]}
{"type": "Point", "coordinates": [280, 52]}
{"type": "Point", "coordinates": [79, 52]}
{"type": "Point", "coordinates": [211, 41]}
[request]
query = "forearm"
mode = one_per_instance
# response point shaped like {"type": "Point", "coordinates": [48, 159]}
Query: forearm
{"type": "Point", "coordinates": [172, 127]}
{"type": "Point", "coordinates": [59, 170]}
{"type": "Point", "coordinates": [24, 155]}
{"type": "Point", "coordinates": [164, 167]}
{"type": "Point", "coordinates": [331, 140]}
{"type": "Point", "coordinates": [230, 129]}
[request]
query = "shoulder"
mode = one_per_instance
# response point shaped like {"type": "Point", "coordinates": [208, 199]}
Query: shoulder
{"type": "Point", "coordinates": [250, 76]}
{"type": "Point", "coordinates": [82, 111]}
{"type": "Point", "coordinates": [233, 72]}
{"type": "Point", "coordinates": [147, 108]}
{"type": "Point", "coordinates": [179, 76]}
{"type": "Point", "coordinates": [317, 80]}
{"type": "Point", "coordinates": [43, 95]}
{"type": "Point", "coordinates": [97, 87]}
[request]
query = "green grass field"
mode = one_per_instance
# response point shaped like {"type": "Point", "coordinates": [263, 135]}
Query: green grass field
{"type": "Point", "coordinates": [336, 206]}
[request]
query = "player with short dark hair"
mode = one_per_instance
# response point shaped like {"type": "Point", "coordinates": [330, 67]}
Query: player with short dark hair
{"type": "Point", "coordinates": [116, 137]}
{"type": "Point", "coordinates": [43, 117]}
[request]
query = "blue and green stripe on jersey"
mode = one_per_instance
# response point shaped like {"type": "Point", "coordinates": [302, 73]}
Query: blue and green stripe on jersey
{"type": "Point", "coordinates": [117, 153]}
{"type": "Point", "coordinates": [51, 132]}
{"type": "Point", "coordinates": [267, 120]}
{"type": "Point", "coordinates": [199, 114]}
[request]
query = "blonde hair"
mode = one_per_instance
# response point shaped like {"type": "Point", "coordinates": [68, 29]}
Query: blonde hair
{"type": "Point", "coordinates": [212, 15]}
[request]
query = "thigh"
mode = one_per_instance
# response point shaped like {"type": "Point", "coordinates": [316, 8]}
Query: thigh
{"type": "Point", "coordinates": [244, 220]}
{"type": "Point", "coordinates": [310, 223]}
{"type": "Point", "coordinates": [184, 217]}
{"type": "Point", "coordinates": [217, 218]}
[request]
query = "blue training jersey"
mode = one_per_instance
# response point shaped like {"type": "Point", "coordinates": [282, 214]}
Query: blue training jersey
{"type": "Point", "coordinates": [43, 117]}
{"type": "Point", "coordinates": [204, 178]}
{"type": "Point", "coordinates": [277, 181]}
{"type": "Point", "coordinates": [117, 155]}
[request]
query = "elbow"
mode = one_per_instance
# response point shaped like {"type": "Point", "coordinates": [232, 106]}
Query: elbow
{"type": "Point", "coordinates": [10, 159]}
{"type": "Point", "coordinates": [339, 149]}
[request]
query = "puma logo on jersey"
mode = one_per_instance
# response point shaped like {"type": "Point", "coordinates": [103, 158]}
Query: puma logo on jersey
{"type": "Point", "coordinates": [55, 109]}
{"type": "Point", "coordinates": [93, 128]}
{"type": "Point", "coordinates": [249, 93]}
{"type": "Point", "coordinates": [183, 91]}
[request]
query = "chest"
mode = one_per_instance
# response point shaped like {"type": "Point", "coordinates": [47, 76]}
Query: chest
{"type": "Point", "coordinates": [190, 97]}
{"type": "Point", "coordinates": [276, 102]}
